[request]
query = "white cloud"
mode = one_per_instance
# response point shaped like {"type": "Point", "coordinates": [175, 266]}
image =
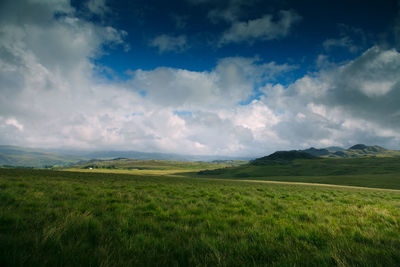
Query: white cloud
{"type": "Point", "coordinates": [52, 97]}
{"type": "Point", "coordinates": [356, 102]}
{"type": "Point", "coordinates": [98, 7]}
{"type": "Point", "coordinates": [15, 123]}
{"type": "Point", "coordinates": [167, 43]}
{"type": "Point", "coordinates": [227, 11]}
{"type": "Point", "coordinates": [396, 27]}
{"type": "Point", "coordinates": [231, 82]}
{"type": "Point", "coordinates": [264, 28]}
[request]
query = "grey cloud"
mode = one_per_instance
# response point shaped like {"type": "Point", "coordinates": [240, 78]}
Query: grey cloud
{"type": "Point", "coordinates": [344, 42]}
{"type": "Point", "coordinates": [98, 7]}
{"type": "Point", "coordinates": [396, 26]}
{"type": "Point", "coordinates": [167, 43]}
{"type": "Point", "coordinates": [229, 13]}
{"type": "Point", "coordinates": [264, 28]}
{"type": "Point", "coordinates": [57, 43]}
{"type": "Point", "coordinates": [54, 99]}
{"type": "Point", "coordinates": [369, 86]}
{"type": "Point", "coordinates": [356, 102]}
{"type": "Point", "coordinates": [31, 12]}
{"type": "Point", "coordinates": [226, 11]}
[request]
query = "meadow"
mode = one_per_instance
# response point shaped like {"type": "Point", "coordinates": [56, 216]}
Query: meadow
{"type": "Point", "coordinates": [67, 218]}
{"type": "Point", "coordinates": [364, 172]}
{"type": "Point", "coordinates": [135, 164]}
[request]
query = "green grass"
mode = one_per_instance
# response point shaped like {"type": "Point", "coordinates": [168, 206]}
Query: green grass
{"type": "Point", "coordinates": [149, 167]}
{"type": "Point", "coordinates": [366, 172]}
{"type": "Point", "coordinates": [134, 164]}
{"type": "Point", "coordinates": [368, 151]}
{"type": "Point", "coordinates": [55, 218]}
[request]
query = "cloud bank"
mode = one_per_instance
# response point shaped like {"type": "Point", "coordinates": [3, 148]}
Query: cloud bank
{"type": "Point", "coordinates": [52, 96]}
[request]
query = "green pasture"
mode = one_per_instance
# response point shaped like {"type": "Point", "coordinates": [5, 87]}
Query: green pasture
{"type": "Point", "coordinates": [59, 218]}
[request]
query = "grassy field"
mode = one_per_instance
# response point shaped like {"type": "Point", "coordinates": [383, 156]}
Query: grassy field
{"type": "Point", "coordinates": [134, 164]}
{"type": "Point", "coordinates": [366, 172]}
{"type": "Point", "coordinates": [149, 167]}
{"type": "Point", "coordinates": [56, 218]}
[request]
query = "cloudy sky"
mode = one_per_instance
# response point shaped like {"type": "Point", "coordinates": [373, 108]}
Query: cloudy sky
{"type": "Point", "coordinates": [205, 77]}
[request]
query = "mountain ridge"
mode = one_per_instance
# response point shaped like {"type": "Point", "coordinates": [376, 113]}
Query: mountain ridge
{"type": "Point", "coordinates": [355, 151]}
{"type": "Point", "coordinates": [282, 157]}
{"type": "Point", "coordinates": [16, 156]}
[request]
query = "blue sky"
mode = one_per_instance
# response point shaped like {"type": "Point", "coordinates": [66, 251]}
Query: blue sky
{"type": "Point", "coordinates": [233, 77]}
{"type": "Point", "coordinates": [363, 23]}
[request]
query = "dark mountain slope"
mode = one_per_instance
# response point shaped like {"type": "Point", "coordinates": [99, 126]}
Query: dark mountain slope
{"type": "Point", "coordinates": [282, 156]}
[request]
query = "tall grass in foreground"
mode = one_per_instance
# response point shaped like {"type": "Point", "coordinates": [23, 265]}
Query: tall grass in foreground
{"type": "Point", "coordinates": [51, 218]}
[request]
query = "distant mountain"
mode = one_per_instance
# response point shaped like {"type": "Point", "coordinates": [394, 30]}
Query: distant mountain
{"type": "Point", "coordinates": [113, 154]}
{"type": "Point", "coordinates": [300, 165]}
{"type": "Point", "coordinates": [334, 148]}
{"type": "Point", "coordinates": [40, 158]}
{"type": "Point", "coordinates": [317, 152]}
{"type": "Point", "coordinates": [359, 150]}
{"type": "Point", "coordinates": [30, 157]}
{"type": "Point", "coordinates": [282, 156]}
{"type": "Point", "coordinates": [359, 146]}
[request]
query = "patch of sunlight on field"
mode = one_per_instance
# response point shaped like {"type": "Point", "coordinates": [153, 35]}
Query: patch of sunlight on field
{"type": "Point", "coordinates": [135, 171]}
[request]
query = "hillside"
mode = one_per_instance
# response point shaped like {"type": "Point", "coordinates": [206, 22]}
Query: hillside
{"type": "Point", "coordinates": [136, 164]}
{"type": "Point", "coordinates": [318, 152]}
{"type": "Point", "coordinates": [39, 158]}
{"type": "Point", "coordinates": [356, 151]}
{"type": "Point", "coordinates": [30, 157]}
{"type": "Point", "coordinates": [360, 165]}
{"type": "Point", "coordinates": [282, 156]}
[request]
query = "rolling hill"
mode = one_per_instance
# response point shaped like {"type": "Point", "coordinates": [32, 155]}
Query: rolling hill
{"type": "Point", "coordinates": [356, 151]}
{"type": "Point", "coordinates": [136, 164]}
{"type": "Point", "coordinates": [282, 156]}
{"type": "Point", "coordinates": [360, 165]}
{"type": "Point", "coordinates": [39, 158]}
{"type": "Point", "coordinates": [30, 157]}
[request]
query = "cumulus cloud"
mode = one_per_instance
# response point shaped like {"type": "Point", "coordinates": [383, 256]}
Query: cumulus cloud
{"type": "Point", "coordinates": [98, 7]}
{"type": "Point", "coordinates": [228, 13]}
{"type": "Point", "coordinates": [396, 27]}
{"type": "Point", "coordinates": [52, 97]}
{"type": "Point", "coordinates": [232, 81]}
{"type": "Point", "coordinates": [356, 102]}
{"type": "Point", "coordinates": [264, 28]}
{"type": "Point", "coordinates": [46, 69]}
{"type": "Point", "coordinates": [167, 43]}
{"type": "Point", "coordinates": [369, 85]}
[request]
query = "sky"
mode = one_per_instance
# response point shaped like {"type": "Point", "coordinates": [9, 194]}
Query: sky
{"type": "Point", "coordinates": [202, 77]}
